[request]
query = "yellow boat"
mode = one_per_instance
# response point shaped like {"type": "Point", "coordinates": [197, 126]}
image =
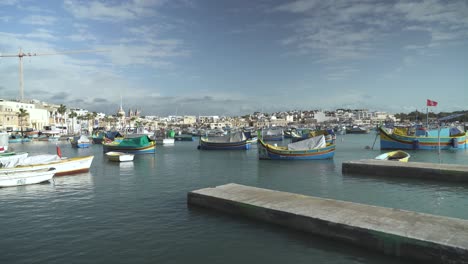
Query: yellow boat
{"type": "Point", "coordinates": [397, 155]}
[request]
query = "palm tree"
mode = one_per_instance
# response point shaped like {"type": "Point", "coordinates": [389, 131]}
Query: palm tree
{"type": "Point", "coordinates": [22, 114]}
{"type": "Point", "coordinates": [72, 115]}
{"type": "Point", "coordinates": [62, 109]}
{"type": "Point", "coordinates": [107, 119]}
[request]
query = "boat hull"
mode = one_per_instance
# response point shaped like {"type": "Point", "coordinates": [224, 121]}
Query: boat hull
{"type": "Point", "coordinates": [119, 156]}
{"type": "Point", "coordinates": [396, 155]}
{"type": "Point", "coordinates": [183, 138]}
{"type": "Point", "coordinates": [165, 141]}
{"type": "Point", "coordinates": [81, 145]}
{"type": "Point", "coordinates": [265, 152]}
{"type": "Point", "coordinates": [62, 167]}
{"type": "Point", "coordinates": [25, 177]}
{"type": "Point", "coordinates": [242, 145]}
{"type": "Point", "coordinates": [142, 150]}
{"type": "Point", "coordinates": [394, 141]}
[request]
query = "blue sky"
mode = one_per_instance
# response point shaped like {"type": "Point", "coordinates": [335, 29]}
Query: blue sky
{"type": "Point", "coordinates": [236, 57]}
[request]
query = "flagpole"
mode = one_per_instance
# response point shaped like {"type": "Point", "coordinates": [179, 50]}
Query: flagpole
{"type": "Point", "coordinates": [427, 117]}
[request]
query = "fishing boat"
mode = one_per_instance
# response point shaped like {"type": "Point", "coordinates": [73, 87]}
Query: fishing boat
{"type": "Point", "coordinates": [119, 156]}
{"type": "Point", "coordinates": [98, 137]}
{"type": "Point", "coordinates": [165, 141]}
{"type": "Point", "coordinates": [140, 144]}
{"type": "Point", "coordinates": [62, 165]}
{"type": "Point", "coordinates": [357, 130]}
{"type": "Point", "coordinates": [397, 155]}
{"type": "Point", "coordinates": [183, 137]}
{"type": "Point", "coordinates": [421, 138]}
{"type": "Point", "coordinates": [18, 139]}
{"type": "Point", "coordinates": [232, 141]}
{"type": "Point", "coordinates": [81, 141]}
{"type": "Point", "coordinates": [272, 134]}
{"type": "Point", "coordinates": [11, 159]}
{"type": "Point", "coordinates": [164, 138]}
{"type": "Point", "coordinates": [17, 177]}
{"type": "Point", "coordinates": [314, 148]}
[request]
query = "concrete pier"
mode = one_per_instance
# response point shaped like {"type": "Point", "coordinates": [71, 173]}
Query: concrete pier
{"type": "Point", "coordinates": [433, 171]}
{"type": "Point", "coordinates": [420, 237]}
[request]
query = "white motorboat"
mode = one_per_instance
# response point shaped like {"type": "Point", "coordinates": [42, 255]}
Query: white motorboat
{"type": "Point", "coordinates": [119, 156]}
{"type": "Point", "coordinates": [19, 176]}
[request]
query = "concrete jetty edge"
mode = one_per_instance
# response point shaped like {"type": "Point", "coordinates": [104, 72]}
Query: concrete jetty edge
{"type": "Point", "coordinates": [422, 170]}
{"type": "Point", "coordinates": [410, 235]}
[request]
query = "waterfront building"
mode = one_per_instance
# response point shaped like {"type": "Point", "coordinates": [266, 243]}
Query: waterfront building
{"type": "Point", "coordinates": [189, 120]}
{"type": "Point", "coordinates": [37, 117]}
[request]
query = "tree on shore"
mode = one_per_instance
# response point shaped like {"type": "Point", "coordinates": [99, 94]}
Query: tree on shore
{"type": "Point", "coordinates": [21, 115]}
{"type": "Point", "coordinates": [72, 115]}
{"type": "Point", "coordinates": [62, 109]}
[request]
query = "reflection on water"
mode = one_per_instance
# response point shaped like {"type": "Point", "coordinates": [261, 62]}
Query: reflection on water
{"type": "Point", "coordinates": [126, 166]}
{"type": "Point", "coordinates": [81, 179]}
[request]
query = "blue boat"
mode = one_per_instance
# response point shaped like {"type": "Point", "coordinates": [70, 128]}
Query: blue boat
{"type": "Point", "coordinates": [81, 141]}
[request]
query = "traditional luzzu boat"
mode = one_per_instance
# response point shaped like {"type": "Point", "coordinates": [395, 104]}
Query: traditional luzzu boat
{"type": "Point", "coordinates": [397, 155]}
{"type": "Point", "coordinates": [18, 177]}
{"type": "Point", "coordinates": [232, 141]}
{"type": "Point", "coordinates": [139, 144]}
{"type": "Point", "coordinates": [420, 138]}
{"type": "Point", "coordinates": [314, 148]}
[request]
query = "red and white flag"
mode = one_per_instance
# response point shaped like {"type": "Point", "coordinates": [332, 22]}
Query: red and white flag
{"type": "Point", "coordinates": [431, 103]}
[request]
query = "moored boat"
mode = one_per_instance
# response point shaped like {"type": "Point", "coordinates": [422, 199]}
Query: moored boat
{"type": "Point", "coordinates": [165, 141]}
{"type": "Point", "coordinates": [183, 137]}
{"type": "Point", "coordinates": [397, 155]}
{"type": "Point", "coordinates": [63, 166]}
{"type": "Point", "coordinates": [141, 144]}
{"type": "Point", "coordinates": [232, 141]}
{"type": "Point", "coordinates": [420, 138]}
{"type": "Point", "coordinates": [81, 141]}
{"type": "Point", "coordinates": [119, 156]}
{"type": "Point", "coordinates": [309, 149]}
{"type": "Point", "coordinates": [17, 177]}
{"type": "Point", "coordinates": [273, 134]}
{"type": "Point", "coordinates": [11, 159]}
{"type": "Point", "coordinates": [357, 130]}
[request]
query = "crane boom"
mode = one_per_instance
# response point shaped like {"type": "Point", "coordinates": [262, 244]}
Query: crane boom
{"type": "Point", "coordinates": [21, 54]}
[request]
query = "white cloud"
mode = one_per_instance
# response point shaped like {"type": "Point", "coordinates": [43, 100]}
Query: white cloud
{"type": "Point", "coordinates": [299, 6]}
{"type": "Point", "coordinates": [38, 20]}
{"type": "Point", "coordinates": [100, 10]}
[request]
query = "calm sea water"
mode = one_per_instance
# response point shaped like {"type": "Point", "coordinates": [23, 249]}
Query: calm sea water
{"type": "Point", "coordinates": [137, 212]}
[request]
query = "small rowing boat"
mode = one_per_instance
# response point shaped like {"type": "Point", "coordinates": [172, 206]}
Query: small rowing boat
{"type": "Point", "coordinates": [397, 155]}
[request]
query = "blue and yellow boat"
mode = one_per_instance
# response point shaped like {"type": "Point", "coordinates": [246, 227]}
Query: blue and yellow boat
{"type": "Point", "coordinates": [314, 148]}
{"type": "Point", "coordinates": [420, 138]}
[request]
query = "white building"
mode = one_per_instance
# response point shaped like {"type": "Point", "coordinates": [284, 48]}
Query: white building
{"type": "Point", "coordinates": [37, 119]}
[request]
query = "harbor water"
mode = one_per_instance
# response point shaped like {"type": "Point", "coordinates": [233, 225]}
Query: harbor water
{"type": "Point", "coordinates": [136, 212]}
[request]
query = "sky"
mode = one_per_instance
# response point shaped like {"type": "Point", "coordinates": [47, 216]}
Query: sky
{"type": "Point", "coordinates": [222, 57]}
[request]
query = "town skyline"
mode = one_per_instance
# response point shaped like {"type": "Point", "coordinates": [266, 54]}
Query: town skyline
{"type": "Point", "coordinates": [233, 58]}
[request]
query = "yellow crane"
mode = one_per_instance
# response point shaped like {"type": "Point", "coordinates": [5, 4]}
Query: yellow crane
{"type": "Point", "coordinates": [21, 54]}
